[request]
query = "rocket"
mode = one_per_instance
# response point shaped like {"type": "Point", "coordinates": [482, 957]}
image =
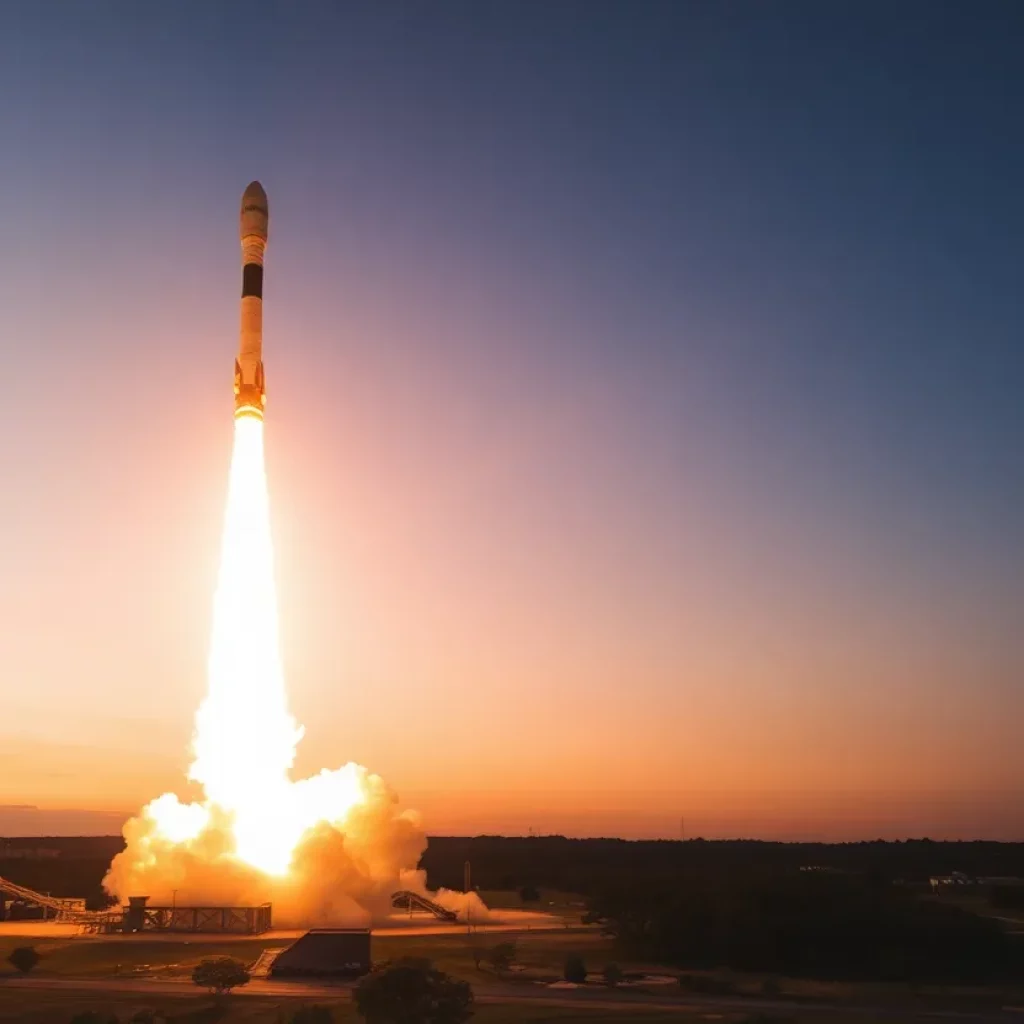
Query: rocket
{"type": "Point", "coordinates": [250, 393]}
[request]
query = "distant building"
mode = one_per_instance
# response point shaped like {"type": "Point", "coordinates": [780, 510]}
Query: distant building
{"type": "Point", "coordinates": [8, 851]}
{"type": "Point", "coordinates": [958, 880]}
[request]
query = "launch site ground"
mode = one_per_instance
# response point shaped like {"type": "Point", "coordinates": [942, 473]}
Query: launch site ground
{"type": "Point", "coordinates": [397, 924]}
{"type": "Point", "coordinates": [124, 974]}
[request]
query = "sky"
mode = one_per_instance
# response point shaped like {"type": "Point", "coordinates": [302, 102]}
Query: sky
{"type": "Point", "coordinates": [644, 426]}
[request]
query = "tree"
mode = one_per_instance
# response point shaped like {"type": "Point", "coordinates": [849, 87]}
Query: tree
{"type": "Point", "coordinates": [612, 975]}
{"type": "Point", "coordinates": [502, 956]}
{"type": "Point", "coordinates": [221, 974]}
{"type": "Point", "coordinates": [529, 894]}
{"type": "Point", "coordinates": [575, 969]}
{"type": "Point", "coordinates": [409, 993]}
{"type": "Point", "coordinates": [24, 958]}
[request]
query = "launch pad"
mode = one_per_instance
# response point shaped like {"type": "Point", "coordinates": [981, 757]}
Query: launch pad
{"type": "Point", "coordinates": [138, 916]}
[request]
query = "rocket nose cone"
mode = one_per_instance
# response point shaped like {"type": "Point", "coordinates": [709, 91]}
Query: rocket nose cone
{"type": "Point", "coordinates": [254, 198]}
{"type": "Point", "coordinates": [254, 194]}
{"type": "Point", "coordinates": [255, 212]}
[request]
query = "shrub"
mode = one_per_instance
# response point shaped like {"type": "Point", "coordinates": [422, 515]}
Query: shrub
{"type": "Point", "coordinates": [24, 958]}
{"type": "Point", "coordinates": [220, 974]}
{"type": "Point", "coordinates": [612, 975]}
{"type": "Point", "coordinates": [575, 970]}
{"type": "Point", "coordinates": [409, 993]}
{"type": "Point", "coordinates": [502, 956]}
{"type": "Point", "coordinates": [529, 894]}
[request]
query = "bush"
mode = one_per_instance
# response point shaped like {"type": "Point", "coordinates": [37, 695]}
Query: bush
{"type": "Point", "coordinates": [220, 974]}
{"type": "Point", "coordinates": [612, 975]}
{"type": "Point", "coordinates": [409, 993]}
{"type": "Point", "coordinates": [575, 970]}
{"type": "Point", "coordinates": [529, 894]}
{"type": "Point", "coordinates": [502, 956]}
{"type": "Point", "coordinates": [24, 958]}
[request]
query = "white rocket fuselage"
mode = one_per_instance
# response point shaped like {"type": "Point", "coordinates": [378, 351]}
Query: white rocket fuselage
{"type": "Point", "coordinates": [250, 391]}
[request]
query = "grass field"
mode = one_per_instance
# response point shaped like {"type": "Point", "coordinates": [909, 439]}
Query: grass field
{"type": "Point", "coordinates": [569, 906]}
{"type": "Point", "coordinates": [84, 957]}
{"type": "Point", "coordinates": [542, 950]}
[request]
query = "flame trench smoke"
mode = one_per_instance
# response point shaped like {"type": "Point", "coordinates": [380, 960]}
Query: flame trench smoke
{"type": "Point", "coordinates": [328, 849]}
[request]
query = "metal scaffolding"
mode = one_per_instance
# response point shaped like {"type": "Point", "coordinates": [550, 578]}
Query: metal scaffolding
{"type": "Point", "coordinates": [139, 917]}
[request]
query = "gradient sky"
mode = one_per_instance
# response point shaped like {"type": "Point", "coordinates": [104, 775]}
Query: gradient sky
{"type": "Point", "coordinates": [645, 430]}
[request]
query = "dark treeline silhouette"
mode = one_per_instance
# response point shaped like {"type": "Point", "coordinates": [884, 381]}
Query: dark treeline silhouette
{"type": "Point", "coordinates": [855, 910]}
{"type": "Point", "coordinates": [78, 878]}
{"type": "Point", "coordinates": [62, 847]}
{"type": "Point", "coordinates": [584, 865]}
{"type": "Point", "coordinates": [71, 866]}
{"type": "Point", "coordinates": [798, 923]}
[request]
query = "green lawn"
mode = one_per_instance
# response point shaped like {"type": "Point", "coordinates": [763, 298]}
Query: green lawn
{"type": "Point", "coordinates": [453, 952]}
{"type": "Point", "coordinates": [116, 956]}
{"type": "Point", "coordinates": [567, 905]}
{"type": "Point", "coordinates": [542, 950]}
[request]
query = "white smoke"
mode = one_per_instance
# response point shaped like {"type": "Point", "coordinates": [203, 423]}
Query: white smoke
{"type": "Point", "coordinates": [341, 873]}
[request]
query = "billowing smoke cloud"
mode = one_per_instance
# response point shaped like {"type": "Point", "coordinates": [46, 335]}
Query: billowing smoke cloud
{"type": "Point", "coordinates": [342, 872]}
{"type": "Point", "coordinates": [467, 905]}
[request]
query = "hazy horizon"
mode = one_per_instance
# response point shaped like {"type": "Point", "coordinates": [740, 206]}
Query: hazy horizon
{"type": "Point", "coordinates": [929, 818]}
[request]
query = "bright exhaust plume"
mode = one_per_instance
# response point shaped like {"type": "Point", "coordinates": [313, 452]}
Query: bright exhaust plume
{"type": "Point", "coordinates": [325, 850]}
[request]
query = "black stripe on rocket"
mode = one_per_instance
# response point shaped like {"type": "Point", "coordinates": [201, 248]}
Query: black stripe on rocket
{"type": "Point", "coordinates": [252, 281]}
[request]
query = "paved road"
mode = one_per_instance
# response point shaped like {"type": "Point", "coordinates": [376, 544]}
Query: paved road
{"type": "Point", "coordinates": [485, 993]}
{"type": "Point", "coordinates": [395, 924]}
